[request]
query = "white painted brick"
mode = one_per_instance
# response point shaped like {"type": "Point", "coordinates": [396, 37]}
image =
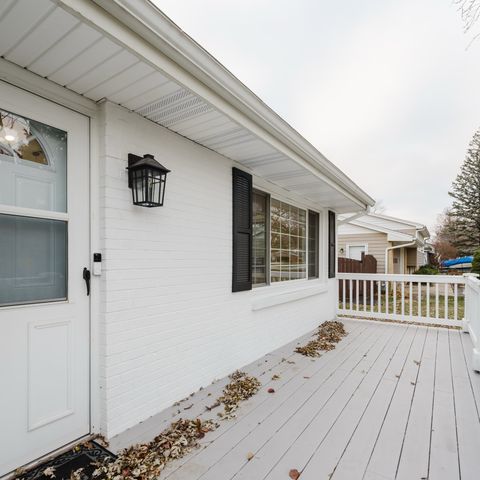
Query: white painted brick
{"type": "Point", "coordinates": [168, 310]}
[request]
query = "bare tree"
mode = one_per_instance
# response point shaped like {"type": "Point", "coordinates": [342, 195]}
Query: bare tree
{"type": "Point", "coordinates": [470, 13]}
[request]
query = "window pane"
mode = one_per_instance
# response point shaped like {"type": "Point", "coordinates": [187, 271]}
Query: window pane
{"type": "Point", "coordinates": [259, 229]}
{"type": "Point", "coordinates": [313, 230]}
{"type": "Point", "coordinates": [33, 158]}
{"type": "Point", "coordinates": [33, 263]}
{"type": "Point", "coordinates": [288, 258]}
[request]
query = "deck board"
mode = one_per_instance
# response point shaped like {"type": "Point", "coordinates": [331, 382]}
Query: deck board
{"type": "Point", "coordinates": [329, 446]}
{"type": "Point", "coordinates": [414, 456]}
{"type": "Point", "coordinates": [392, 401]}
{"type": "Point", "coordinates": [386, 453]}
{"type": "Point", "coordinates": [468, 426]}
{"type": "Point", "coordinates": [443, 446]}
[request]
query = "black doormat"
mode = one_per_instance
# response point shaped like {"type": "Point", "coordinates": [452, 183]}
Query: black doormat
{"type": "Point", "coordinates": [63, 467]}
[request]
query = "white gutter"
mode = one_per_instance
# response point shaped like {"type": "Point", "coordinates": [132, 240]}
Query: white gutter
{"type": "Point", "coordinates": [412, 244]}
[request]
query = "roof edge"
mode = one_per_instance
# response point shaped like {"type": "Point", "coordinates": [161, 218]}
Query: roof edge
{"type": "Point", "coordinates": [151, 24]}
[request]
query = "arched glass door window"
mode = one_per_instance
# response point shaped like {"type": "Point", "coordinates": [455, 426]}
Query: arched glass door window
{"type": "Point", "coordinates": [33, 159]}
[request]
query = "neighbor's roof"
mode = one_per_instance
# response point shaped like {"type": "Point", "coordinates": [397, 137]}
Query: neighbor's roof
{"type": "Point", "coordinates": [392, 226]}
{"type": "Point", "coordinates": [130, 53]}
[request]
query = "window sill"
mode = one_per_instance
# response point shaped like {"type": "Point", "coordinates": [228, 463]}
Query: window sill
{"type": "Point", "coordinates": [276, 295]}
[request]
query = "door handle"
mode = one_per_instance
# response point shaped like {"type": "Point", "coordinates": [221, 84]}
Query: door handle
{"type": "Point", "coordinates": [86, 277]}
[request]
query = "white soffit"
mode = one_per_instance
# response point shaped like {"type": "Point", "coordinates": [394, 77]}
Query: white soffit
{"type": "Point", "coordinates": [48, 40]}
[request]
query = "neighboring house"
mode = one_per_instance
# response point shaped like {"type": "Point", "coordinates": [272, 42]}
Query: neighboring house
{"type": "Point", "coordinates": [180, 294]}
{"type": "Point", "coordinates": [399, 246]}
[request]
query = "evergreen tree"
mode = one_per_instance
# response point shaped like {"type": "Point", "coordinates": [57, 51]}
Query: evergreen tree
{"type": "Point", "coordinates": [476, 262]}
{"type": "Point", "coordinates": [465, 211]}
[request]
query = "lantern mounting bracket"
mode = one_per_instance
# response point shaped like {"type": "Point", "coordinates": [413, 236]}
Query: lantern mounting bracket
{"type": "Point", "coordinates": [132, 160]}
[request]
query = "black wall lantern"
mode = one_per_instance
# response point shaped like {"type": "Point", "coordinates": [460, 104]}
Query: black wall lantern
{"type": "Point", "coordinates": [147, 179]}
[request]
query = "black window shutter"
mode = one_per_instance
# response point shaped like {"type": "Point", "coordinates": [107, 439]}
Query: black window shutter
{"type": "Point", "coordinates": [332, 248]}
{"type": "Point", "coordinates": [242, 231]}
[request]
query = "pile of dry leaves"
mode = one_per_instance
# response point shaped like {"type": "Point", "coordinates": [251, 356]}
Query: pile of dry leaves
{"type": "Point", "coordinates": [327, 335]}
{"type": "Point", "coordinates": [146, 461]}
{"type": "Point", "coordinates": [240, 388]}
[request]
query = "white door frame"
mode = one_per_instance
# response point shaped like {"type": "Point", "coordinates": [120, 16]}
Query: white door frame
{"type": "Point", "coordinates": [25, 80]}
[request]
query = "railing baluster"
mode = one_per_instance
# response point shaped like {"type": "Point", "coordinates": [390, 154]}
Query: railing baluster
{"type": "Point", "coordinates": [379, 286]}
{"type": "Point", "coordinates": [428, 300]}
{"type": "Point", "coordinates": [386, 298]}
{"type": "Point", "coordinates": [403, 299]}
{"type": "Point", "coordinates": [436, 301]}
{"type": "Point", "coordinates": [446, 302]}
{"type": "Point", "coordinates": [344, 294]}
{"type": "Point", "coordinates": [394, 288]}
{"type": "Point", "coordinates": [410, 300]}
{"type": "Point", "coordinates": [364, 295]}
{"type": "Point", "coordinates": [419, 299]}
{"type": "Point", "coordinates": [372, 293]}
{"type": "Point", "coordinates": [350, 285]}
{"type": "Point", "coordinates": [357, 295]}
{"type": "Point", "coordinates": [455, 302]}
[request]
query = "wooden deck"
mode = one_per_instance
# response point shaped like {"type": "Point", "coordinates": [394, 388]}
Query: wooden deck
{"type": "Point", "coordinates": [390, 402]}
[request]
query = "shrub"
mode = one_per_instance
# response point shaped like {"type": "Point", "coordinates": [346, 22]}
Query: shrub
{"type": "Point", "coordinates": [427, 270]}
{"type": "Point", "coordinates": [476, 262]}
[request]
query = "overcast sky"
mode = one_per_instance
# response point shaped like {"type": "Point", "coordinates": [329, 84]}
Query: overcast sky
{"type": "Point", "coordinates": [386, 89]}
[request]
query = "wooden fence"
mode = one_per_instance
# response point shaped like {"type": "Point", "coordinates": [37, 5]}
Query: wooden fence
{"type": "Point", "coordinates": [368, 264]}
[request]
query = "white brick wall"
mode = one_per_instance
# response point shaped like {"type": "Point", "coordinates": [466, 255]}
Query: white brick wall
{"type": "Point", "coordinates": [168, 313]}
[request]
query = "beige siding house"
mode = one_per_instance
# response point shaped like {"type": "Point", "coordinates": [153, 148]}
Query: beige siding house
{"type": "Point", "coordinates": [399, 246]}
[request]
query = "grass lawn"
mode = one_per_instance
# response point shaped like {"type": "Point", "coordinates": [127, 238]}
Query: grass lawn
{"type": "Point", "coordinates": [413, 303]}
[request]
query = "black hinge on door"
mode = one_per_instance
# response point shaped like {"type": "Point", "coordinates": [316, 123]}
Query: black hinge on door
{"type": "Point", "coordinates": [86, 277]}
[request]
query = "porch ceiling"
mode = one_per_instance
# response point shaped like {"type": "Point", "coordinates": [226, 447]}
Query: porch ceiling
{"type": "Point", "coordinates": [62, 46]}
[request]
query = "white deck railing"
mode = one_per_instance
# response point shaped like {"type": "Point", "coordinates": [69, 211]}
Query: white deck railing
{"type": "Point", "coordinates": [434, 299]}
{"type": "Point", "coordinates": [447, 300]}
{"type": "Point", "coordinates": [472, 316]}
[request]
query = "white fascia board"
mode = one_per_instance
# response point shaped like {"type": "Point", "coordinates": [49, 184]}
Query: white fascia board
{"type": "Point", "coordinates": [144, 30]}
{"type": "Point", "coordinates": [409, 223]}
{"type": "Point", "coordinates": [393, 235]}
{"type": "Point", "coordinates": [400, 237]}
{"type": "Point", "coordinates": [21, 78]}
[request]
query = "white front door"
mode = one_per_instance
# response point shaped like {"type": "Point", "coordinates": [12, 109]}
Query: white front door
{"type": "Point", "coordinates": [44, 246]}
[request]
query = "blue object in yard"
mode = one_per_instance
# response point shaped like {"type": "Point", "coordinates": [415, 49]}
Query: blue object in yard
{"type": "Point", "coordinates": [457, 261]}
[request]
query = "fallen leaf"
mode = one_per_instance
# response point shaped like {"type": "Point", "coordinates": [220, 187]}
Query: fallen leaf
{"type": "Point", "coordinates": [275, 377]}
{"type": "Point", "coordinates": [189, 407]}
{"type": "Point", "coordinates": [294, 474]}
{"type": "Point", "coordinates": [416, 362]}
{"type": "Point", "coordinates": [49, 472]}
{"type": "Point", "coordinates": [271, 390]}
{"type": "Point", "coordinates": [211, 407]}
{"type": "Point", "coordinates": [250, 455]}
{"type": "Point", "coordinates": [305, 376]}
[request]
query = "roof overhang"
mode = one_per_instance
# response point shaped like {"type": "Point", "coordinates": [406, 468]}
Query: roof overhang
{"type": "Point", "coordinates": [130, 53]}
{"type": "Point", "coordinates": [392, 235]}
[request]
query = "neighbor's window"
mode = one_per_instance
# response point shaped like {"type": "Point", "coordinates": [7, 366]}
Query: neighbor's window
{"type": "Point", "coordinates": [288, 259]}
{"type": "Point", "coordinates": [259, 231]}
{"type": "Point", "coordinates": [313, 236]}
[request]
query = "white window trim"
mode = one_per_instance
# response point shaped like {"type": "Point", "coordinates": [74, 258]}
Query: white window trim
{"type": "Point", "coordinates": [365, 245]}
{"type": "Point", "coordinates": [322, 245]}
